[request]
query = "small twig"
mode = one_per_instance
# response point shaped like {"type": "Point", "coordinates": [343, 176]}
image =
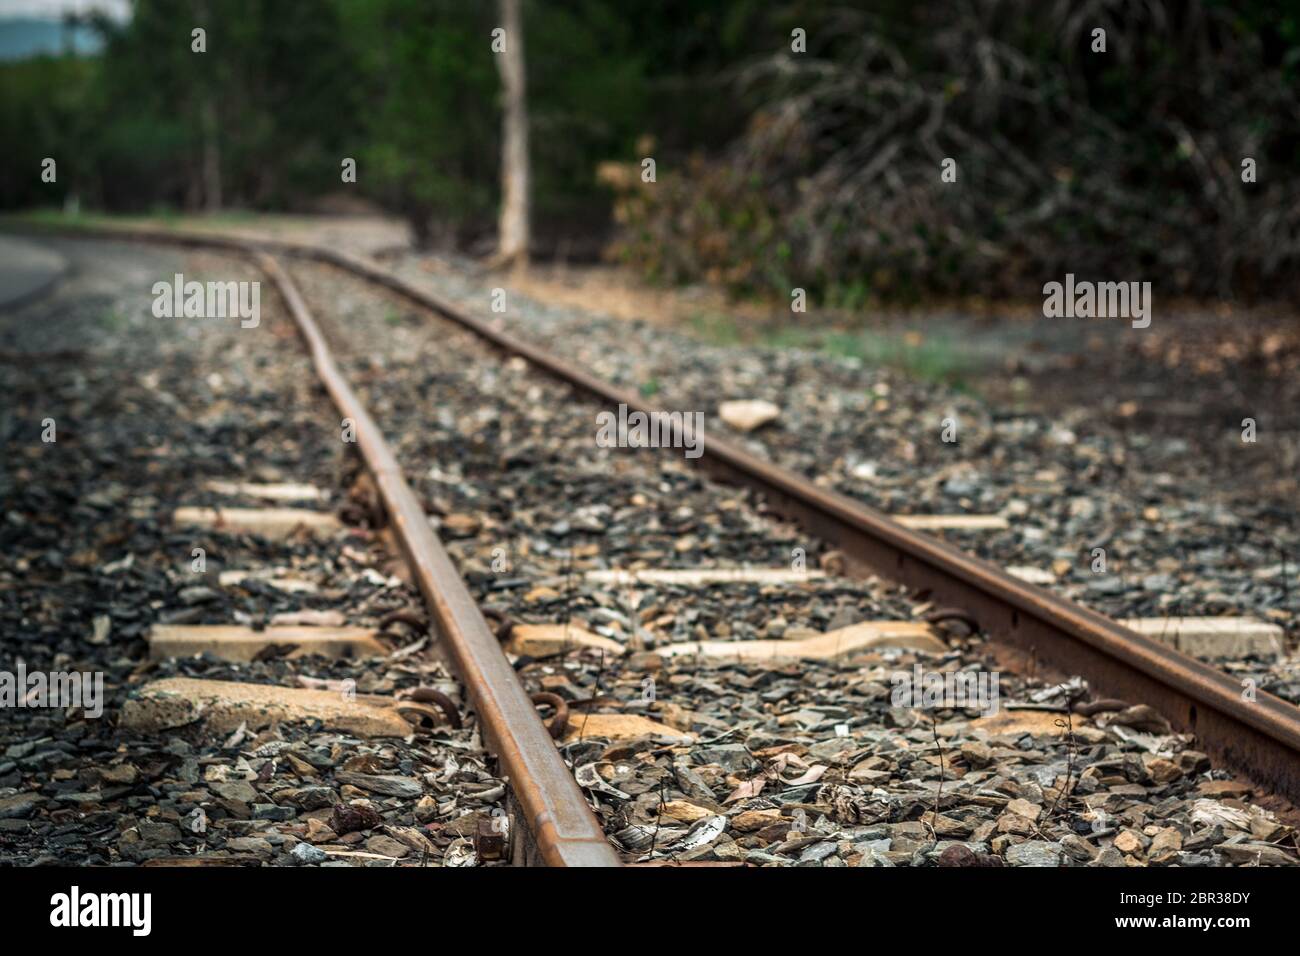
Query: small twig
{"type": "Point", "coordinates": [582, 731]}
{"type": "Point", "coordinates": [938, 796]}
{"type": "Point", "coordinates": [659, 817]}
{"type": "Point", "coordinates": [1286, 587]}
{"type": "Point", "coordinates": [568, 592]}
{"type": "Point", "coordinates": [1063, 794]}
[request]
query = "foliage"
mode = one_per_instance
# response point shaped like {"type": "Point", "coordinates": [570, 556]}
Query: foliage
{"type": "Point", "coordinates": [42, 114]}
{"type": "Point", "coordinates": [775, 170]}
{"type": "Point", "coordinates": [1122, 165]}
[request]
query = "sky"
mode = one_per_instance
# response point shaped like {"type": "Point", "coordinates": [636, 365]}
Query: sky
{"type": "Point", "coordinates": [53, 9]}
{"type": "Point", "coordinates": [33, 27]}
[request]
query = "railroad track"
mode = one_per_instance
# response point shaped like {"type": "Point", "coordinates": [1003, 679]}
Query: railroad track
{"type": "Point", "coordinates": [1259, 738]}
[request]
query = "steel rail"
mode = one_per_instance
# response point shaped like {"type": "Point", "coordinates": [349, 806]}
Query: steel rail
{"type": "Point", "coordinates": [560, 822]}
{"type": "Point", "coordinates": [1251, 731]}
{"type": "Point", "coordinates": [562, 830]}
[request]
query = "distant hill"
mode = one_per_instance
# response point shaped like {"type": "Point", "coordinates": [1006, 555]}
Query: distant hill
{"type": "Point", "coordinates": [23, 37]}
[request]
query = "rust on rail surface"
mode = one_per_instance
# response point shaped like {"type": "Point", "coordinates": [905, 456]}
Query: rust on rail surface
{"type": "Point", "coordinates": [1259, 737]}
{"type": "Point", "coordinates": [561, 829]}
{"type": "Point", "coordinates": [559, 821]}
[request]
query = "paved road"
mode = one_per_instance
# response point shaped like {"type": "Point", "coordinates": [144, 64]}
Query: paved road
{"type": "Point", "coordinates": [26, 269]}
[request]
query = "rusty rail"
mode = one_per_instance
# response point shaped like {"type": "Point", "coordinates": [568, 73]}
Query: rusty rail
{"type": "Point", "coordinates": [559, 820]}
{"type": "Point", "coordinates": [1258, 737]}
{"type": "Point", "coordinates": [562, 831]}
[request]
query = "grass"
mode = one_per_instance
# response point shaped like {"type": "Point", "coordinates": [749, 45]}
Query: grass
{"type": "Point", "coordinates": [164, 216]}
{"type": "Point", "coordinates": [931, 358]}
{"type": "Point", "coordinates": [52, 215]}
{"type": "Point", "coordinates": [718, 328]}
{"type": "Point", "coordinates": [113, 320]}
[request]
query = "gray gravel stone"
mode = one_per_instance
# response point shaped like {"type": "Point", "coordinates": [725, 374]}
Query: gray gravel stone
{"type": "Point", "coordinates": [304, 854]}
{"type": "Point", "coordinates": [1034, 853]}
{"type": "Point", "coordinates": [19, 805]}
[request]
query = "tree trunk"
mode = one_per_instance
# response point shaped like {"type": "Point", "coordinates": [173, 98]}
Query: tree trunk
{"type": "Point", "coordinates": [512, 244]}
{"type": "Point", "coordinates": [417, 217]}
{"type": "Point", "coordinates": [211, 156]}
